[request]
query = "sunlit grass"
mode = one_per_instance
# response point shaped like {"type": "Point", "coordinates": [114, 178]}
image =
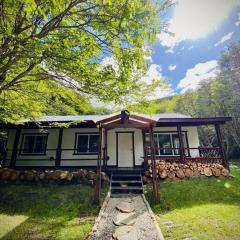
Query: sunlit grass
{"type": "Point", "coordinates": [46, 212]}
{"type": "Point", "coordinates": [199, 208]}
{"type": "Point", "coordinates": [8, 223]}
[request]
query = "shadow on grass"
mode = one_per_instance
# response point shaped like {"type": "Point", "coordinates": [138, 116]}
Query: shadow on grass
{"type": "Point", "coordinates": [194, 192]}
{"type": "Point", "coordinates": [53, 211]}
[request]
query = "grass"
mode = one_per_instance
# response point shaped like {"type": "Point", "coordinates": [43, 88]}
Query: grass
{"type": "Point", "coordinates": [46, 212]}
{"type": "Point", "coordinates": [199, 208]}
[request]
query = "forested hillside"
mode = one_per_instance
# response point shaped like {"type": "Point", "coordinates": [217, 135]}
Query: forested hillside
{"type": "Point", "coordinates": [215, 97]}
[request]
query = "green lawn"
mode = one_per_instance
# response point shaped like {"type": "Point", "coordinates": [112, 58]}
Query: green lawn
{"type": "Point", "coordinates": [46, 212]}
{"type": "Point", "coordinates": [204, 209]}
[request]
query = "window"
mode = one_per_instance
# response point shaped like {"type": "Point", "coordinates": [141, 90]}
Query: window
{"type": "Point", "coordinates": [166, 144]}
{"type": "Point", "coordinates": [86, 143]}
{"type": "Point", "coordinates": [34, 144]}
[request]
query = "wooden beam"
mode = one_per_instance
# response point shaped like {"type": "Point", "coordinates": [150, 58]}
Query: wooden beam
{"type": "Point", "coordinates": [15, 148]}
{"type": "Point", "coordinates": [181, 144]}
{"type": "Point", "coordinates": [153, 163]}
{"type": "Point", "coordinates": [221, 146]}
{"type": "Point", "coordinates": [59, 148]}
{"type": "Point", "coordinates": [96, 199]}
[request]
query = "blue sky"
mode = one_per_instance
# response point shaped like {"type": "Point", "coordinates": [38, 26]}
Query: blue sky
{"type": "Point", "coordinates": [203, 29]}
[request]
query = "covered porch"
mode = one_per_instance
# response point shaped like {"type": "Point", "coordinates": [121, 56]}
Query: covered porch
{"type": "Point", "coordinates": [153, 151]}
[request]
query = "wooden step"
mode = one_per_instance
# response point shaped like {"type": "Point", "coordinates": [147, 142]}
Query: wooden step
{"type": "Point", "coordinates": [126, 181]}
{"type": "Point", "coordinates": [126, 188]}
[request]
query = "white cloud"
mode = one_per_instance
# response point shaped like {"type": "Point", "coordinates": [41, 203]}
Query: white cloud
{"type": "Point", "coordinates": [237, 23]}
{"type": "Point", "coordinates": [109, 61]}
{"type": "Point", "coordinates": [195, 19]}
{"type": "Point", "coordinates": [172, 67]}
{"type": "Point", "coordinates": [155, 73]}
{"type": "Point", "coordinates": [190, 48]}
{"type": "Point", "coordinates": [170, 50]}
{"type": "Point", "coordinates": [148, 58]}
{"type": "Point", "coordinates": [194, 76]}
{"type": "Point", "coordinates": [224, 39]}
{"type": "Point", "coordinates": [147, 52]}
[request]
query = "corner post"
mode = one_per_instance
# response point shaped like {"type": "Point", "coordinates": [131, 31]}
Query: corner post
{"type": "Point", "coordinates": [59, 148]}
{"type": "Point", "coordinates": [15, 148]}
{"type": "Point", "coordinates": [96, 199]}
{"type": "Point", "coordinates": [153, 163]}
{"type": "Point", "coordinates": [181, 144]}
{"type": "Point", "coordinates": [220, 144]}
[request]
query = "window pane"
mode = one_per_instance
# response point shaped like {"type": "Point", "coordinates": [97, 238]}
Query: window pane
{"type": "Point", "coordinates": [93, 143]}
{"type": "Point", "coordinates": [147, 144]}
{"type": "Point", "coordinates": [28, 144]}
{"type": "Point", "coordinates": [82, 143]}
{"type": "Point", "coordinates": [165, 144]}
{"type": "Point", "coordinates": [40, 144]}
{"type": "Point", "coordinates": [177, 144]}
{"type": "Point", "coordinates": [155, 136]}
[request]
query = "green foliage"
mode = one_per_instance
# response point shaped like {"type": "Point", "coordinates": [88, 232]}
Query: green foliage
{"type": "Point", "coordinates": [62, 43]}
{"type": "Point", "coordinates": [46, 212]}
{"type": "Point", "coordinates": [197, 207]}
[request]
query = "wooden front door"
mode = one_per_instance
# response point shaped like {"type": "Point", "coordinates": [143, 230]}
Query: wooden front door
{"type": "Point", "coordinates": [125, 149]}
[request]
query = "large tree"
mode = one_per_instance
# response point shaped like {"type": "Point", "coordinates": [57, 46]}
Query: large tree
{"type": "Point", "coordinates": [64, 41]}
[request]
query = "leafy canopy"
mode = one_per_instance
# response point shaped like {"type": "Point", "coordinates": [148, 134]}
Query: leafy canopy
{"type": "Point", "coordinates": [46, 44]}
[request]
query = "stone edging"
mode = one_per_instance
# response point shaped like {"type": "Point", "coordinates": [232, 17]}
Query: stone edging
{"type": "Point", "coordinates": [100, 215]}
{"type": "Point", "coordinates": [160, 235]}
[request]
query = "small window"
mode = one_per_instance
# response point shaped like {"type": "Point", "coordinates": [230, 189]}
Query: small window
{"type": "Point", "coordinates": [34, 144]}
{"type": "Point", "coordinates": [86, 144]}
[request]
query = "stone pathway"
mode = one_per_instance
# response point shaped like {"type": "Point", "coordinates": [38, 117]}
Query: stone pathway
{"type": "Point", "coordinates": [126, 218]}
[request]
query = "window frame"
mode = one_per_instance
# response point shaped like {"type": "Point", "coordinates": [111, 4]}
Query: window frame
{"type": "Point", "coordinates": [76, 143]}
{"type": "Point", "coordinates": [171, 133]}
{"type": "Point", "coordinates": [24, 135]}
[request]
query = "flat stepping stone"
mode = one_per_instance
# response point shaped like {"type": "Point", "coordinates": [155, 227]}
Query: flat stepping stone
{"type": "Point", "coordinates": [125, 219]}
{"type": "Point", "coordinates": [125, 207]}
{"type": "Point", "coordinates": [125, 233]}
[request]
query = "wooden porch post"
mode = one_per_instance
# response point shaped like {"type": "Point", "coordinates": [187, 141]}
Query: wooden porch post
{"type": "Point", "coordinates": [181, 144]}
{"type": "Point", "coordinates": [15, 148]}
{"type": "Point", "coordinates": [59, 148]}
{"type": "Point", "coordinates": [220, 144]}
{"type": "Point", "coordinates": [153, 163]}
{"type": "Point", "coordinates": [99, 167]}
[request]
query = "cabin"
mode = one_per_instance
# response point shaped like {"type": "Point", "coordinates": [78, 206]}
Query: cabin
{"type": "Point", "coordinates": [118, 141]}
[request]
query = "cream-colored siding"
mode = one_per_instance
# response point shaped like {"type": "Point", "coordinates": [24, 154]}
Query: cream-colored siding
{"type": "Point", "coordinates": [68, 142]}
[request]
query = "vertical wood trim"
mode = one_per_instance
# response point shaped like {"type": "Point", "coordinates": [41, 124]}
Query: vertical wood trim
{"type": "Point", "coordinates": [105, 150]}
{"type": "Point", "coordinates": [15, 148]}
{"type": "Point", "coordinates": [117, 149]}
{"type": "Point", "coordinates": [133, 149]}
{"type": "Point", "coordinates": [181, 144]}
{"type": "Point", "coordinates": [99, 167]}
{"type": "Point", "coordinates": [221, 145]}
{"type": "Point", "coordinates": [59, 148]}
{"type": "Point", "coordinates": [153, 162]}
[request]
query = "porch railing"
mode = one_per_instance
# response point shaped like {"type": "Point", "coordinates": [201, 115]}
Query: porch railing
{"type": "Point", "coordinates": [203, 154]}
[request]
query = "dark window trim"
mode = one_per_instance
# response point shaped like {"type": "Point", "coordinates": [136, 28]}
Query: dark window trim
{"type": "Point", "coordinates": [185, 132]}
{"type": "Point", "coordinates": [75, 143]}
{"type": "Point", "coordinates": [32, 154]}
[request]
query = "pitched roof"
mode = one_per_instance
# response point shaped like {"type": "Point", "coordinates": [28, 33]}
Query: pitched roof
{"type": "Point", "coordinates": [95, 118]}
